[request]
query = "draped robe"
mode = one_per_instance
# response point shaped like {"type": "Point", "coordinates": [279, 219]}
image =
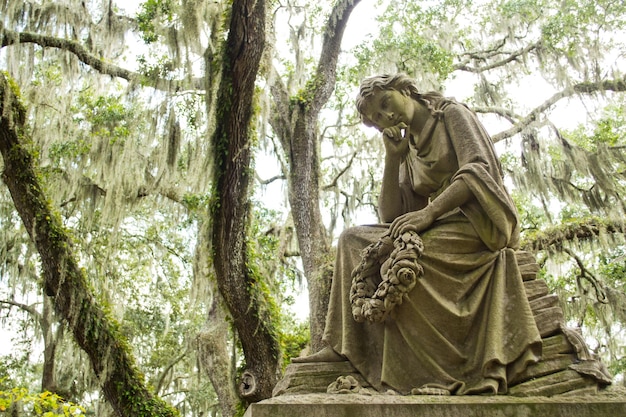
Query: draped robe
{"type": "Point", "coordinates": [466, 326]}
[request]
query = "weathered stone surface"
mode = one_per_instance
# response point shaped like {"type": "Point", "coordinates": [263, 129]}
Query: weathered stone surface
{"type": "Point", "coordinates": [348, 405]}
{"type": "Point", "coordinates": [524, 258]}
{"type": "Point", "coordinates": [536, 288]}
{"type": "Point", "coordinates": [547, 366]}
{"type": "Point", "coordinates": [541, 303]}
{"type": "Point", "coordinates": [554, 384]}
{"type": "Point", "coordinates": [549, 321]}
{"type": "Point", "coordinates": [529, 271]}
{"type": "Point", "coordinates": [314, 377]}
{"type": "Point", "coordinates": [528, 266]}
{"type": "Point", "coordinates": [555, 345]}
{"type": "Point", "coordinates": [582, 392]}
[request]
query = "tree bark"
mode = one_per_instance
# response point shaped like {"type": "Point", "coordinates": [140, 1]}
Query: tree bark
{"type": "Point", "coordinates": [297, 128]}
{"type": "Point", "coordinates": [215, 359]}
{"type": "Point", "coordinates": [48, 375]}
{"type": "Point", "coordinates": [215, 338]}
{"type": "Point", "coordinates": [93, 329]}
{"type": "Point", "coordinates": [231, 144]}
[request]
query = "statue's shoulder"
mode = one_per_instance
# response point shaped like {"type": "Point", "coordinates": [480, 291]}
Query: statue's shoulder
{"type": "Point", "coordinates": [450, 111]}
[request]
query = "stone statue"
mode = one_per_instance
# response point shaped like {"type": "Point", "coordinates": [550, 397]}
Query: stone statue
{"type": "Point", "coordinates": [431, 301]}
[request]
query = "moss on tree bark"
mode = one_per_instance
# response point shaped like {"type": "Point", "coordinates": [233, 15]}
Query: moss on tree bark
{"type": "Point", "coordinates": [94, 330]}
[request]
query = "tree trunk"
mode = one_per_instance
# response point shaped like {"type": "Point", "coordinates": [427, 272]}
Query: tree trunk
{"type": "Point", "coordinates": [94, 330]}
{"type": "Point", "coordinates": [48, 377]}
{"type": "Point", "coordinates": [231, 144]}
{"type": "Point", "coordinates": [304, 199]}
{"type": "Point", "coordinates": [214, 340]}
{"type": "Point", "coordinates": [297, 128]}
{"type": "Point", "coordinates": [215, 358]}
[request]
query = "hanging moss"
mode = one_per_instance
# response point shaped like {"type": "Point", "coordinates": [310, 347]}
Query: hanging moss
{"type": "Point", "coordinates": [93, 327]}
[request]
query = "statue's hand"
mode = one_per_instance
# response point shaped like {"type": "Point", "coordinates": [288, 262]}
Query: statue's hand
{"type": "Point", "coordinates": [395, 139]}
{"type": "Point", "coordinates": [395, 132]}
{"type": "Point", "coordinates": [414, 220]}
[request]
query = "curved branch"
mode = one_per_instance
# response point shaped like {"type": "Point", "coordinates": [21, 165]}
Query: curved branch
{"type": "Point", "coordinates": [513, 56]}
{"type": "Point", "coordinates": [554, 237]}
{"type": "Point", "coordinates": [99, 64]}
{"type": "Point", "coordinates": [169, 366]}
{"type": "Point", "coordinates": [499, 111]}
{"type": "Point", "coordinates": [333, 183]}
{"type": "Point", "coordinates": [27, 308]}
{"type": "Point", "coordinates": [484, 54]}
{"type": "Point", "coordinates": [588, 276]}
{"type": "Point", "coordinates": [271, 179]}
{"type": "Point", "coordinates": [616, 85]}
{"type": "Point", "coordinates": [532, 116]}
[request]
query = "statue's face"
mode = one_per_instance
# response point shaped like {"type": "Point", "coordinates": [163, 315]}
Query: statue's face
{"type": "Point", "coordinates": [387, 108]}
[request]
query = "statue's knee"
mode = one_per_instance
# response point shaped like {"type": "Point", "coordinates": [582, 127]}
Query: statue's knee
{"type": "Point", "coordinates": [349, 235]}
{"type": "Point", "coordinates": [345, 233]}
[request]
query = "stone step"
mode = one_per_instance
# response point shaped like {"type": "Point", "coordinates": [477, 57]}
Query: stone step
{"type": "Point", "coordinates": [536, 288]}
{"type": "Point", "coordinates": [349, 405]}
{"type": "Point", "coordinates": [553, 384]}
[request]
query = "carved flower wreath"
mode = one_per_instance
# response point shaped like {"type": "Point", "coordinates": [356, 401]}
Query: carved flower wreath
{"type": "Point", "coordinates": [388, 271]}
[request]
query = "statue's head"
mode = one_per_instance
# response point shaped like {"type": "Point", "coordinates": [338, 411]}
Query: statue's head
{"type": "Point", "coordinates": [399, 82]}
{"type": "Point", "coordinates": [371, 85]}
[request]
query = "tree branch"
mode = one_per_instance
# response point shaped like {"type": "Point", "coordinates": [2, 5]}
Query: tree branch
{"type": "Point", "coordinates": [169, 366]}
{"type": "Point", "coordinates": [333, 184]}
{"type": "Point", "coordinates": [271, 179]}
{"type": "Point", "coordinates": [484, 54]}
{"type": "Point", "coordinates": [589, 277]}
{"type": "Point", "coordinates": [27, 308]}
{"type": "Point", "coordinates": [463, 66]}
{"type": "Point", "coordinates": [616, 85]}
{"type": "Point", "coordinates": [532, 116]}
{"type": "Point", "coordinates": [99, 64]}
{"type": "Point", "coordinates": [554, 237]}
{"type": "Point", "coordinates": [326, 74]}
{"type": "Point", "coordinates": [499, 111]}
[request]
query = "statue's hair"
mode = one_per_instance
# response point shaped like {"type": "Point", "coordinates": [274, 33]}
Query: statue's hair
{"type": "Point", "coordinates": [398, 82]}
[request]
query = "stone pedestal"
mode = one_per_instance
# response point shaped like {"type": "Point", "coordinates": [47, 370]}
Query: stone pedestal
{"type": "Point", "coordinates": [568, 382]}
{"type": "Point", "coordinates": [349, 405]}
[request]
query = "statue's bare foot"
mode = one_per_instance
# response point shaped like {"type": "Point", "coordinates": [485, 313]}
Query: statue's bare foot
{"type": "Point", "coordinates": [430, 391]}
{"type": "Point", "coordinates": [325, 355]}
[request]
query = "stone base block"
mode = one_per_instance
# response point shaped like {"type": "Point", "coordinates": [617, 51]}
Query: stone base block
{"type": "Point", "coordinates": [349, 405]}
{"type": "Point", "coordinates": [314, 377]}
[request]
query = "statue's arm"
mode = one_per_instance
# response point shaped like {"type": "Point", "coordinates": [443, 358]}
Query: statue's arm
{"type": "Point", "coordinates": [390, 199]}
{"type": "Point", "coordinates": [396, 198]}
{"type": "Point", "coordinates": [457, 194]}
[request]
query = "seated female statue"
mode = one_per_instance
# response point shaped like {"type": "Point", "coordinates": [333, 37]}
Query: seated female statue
{"type": "Point", "coordinates": [463, 325]}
